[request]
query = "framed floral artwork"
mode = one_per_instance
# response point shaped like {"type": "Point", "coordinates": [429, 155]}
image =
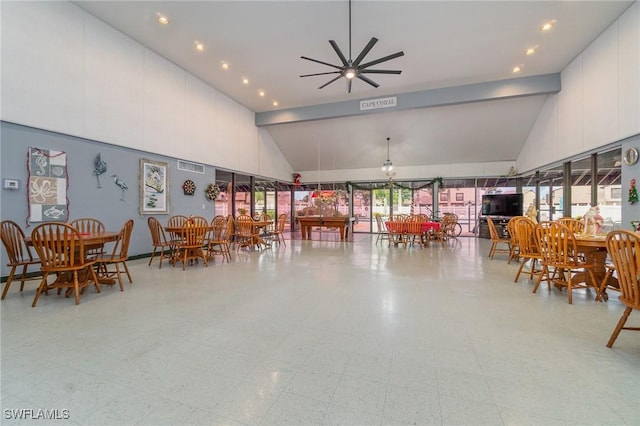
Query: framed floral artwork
{"type": "Point", "coordinates": [154, 187]}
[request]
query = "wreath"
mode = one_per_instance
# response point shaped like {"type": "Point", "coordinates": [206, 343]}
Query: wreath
{"type": "Point", "coordinates": [212, 191]}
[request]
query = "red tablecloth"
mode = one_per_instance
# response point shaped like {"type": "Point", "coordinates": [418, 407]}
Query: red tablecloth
{"type": "Point", "coordinates": [399, 227]}
{"type": "Point", "coordinates": [430, 226]}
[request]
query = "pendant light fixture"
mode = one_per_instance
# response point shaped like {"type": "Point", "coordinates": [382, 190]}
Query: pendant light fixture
{"type": "Point", "coordinates": [387, 166]}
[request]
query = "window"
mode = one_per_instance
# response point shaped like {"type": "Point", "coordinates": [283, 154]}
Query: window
{"type": "Point", "coordinates": [444, 196]}
{"type": "Point", "coordinates": [459, 196]}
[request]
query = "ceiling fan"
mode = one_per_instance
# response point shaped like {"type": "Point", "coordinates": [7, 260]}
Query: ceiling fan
{"type": "Point", "coordinates": [351, 69]}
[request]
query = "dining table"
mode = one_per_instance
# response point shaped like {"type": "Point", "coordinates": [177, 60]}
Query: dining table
{"type": "Point", "coordinates": [260, 230]}
{"type": "Point", "coordinates": [93, 240]}
{"type": "Point", "coordinates": [398, 231]}
{"type": "Point", "coordinates": [177, 235]}
{"type": "Point", "coordinates": [594, 249]}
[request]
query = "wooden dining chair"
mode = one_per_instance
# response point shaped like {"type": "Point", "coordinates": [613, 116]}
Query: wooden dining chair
{"type": "Point", "coordinates": [440, 234]}
{"type": "Point", "coordinates": [514, 250]}
{"type": "Point", "coordinates": [499, 244]}
{"type": "Point", "coordinates": [246, 233]}
{"type": "Point", "coordinates": [61, 251]}
{"type": "Point", "coordinates": [449, 226]}
{"type": "Point", "coordinates": [413, 230]}
{"type": "Point", "coordinates": [176, 221]}
{"type": "Point", "coordinates": [89, 225]}
{"type": "Point", "coordinates": [576, 226]}
{"type": "Point", "coordinates": [219, 243]}
{"type": "Point", "coordinates": [278, 233]}
{"type": "Point", "coordinates": [383, 233]}
{"type": "Point", "coordinates": [400, 217]}
{"type": "Point", "coordinates": [397, 232]}
{"type": "Point", "coordinates": [267, 232]}
{"type": "Point", "coordinates": [422, 217]}
{"type": "Point", "coordinates": [559, 251]}
{"type": "Point", "coordinates": [624, 248]}
{"type": "Point", "coordinates": [119, 255]}
{"type": "Point", "coordinates": [19, 255]}
{"type": "Point", "coordinates": [159, 241]}
{"type": "Point", "coordinates": [192, 243]}
{"type": "Point", "coordinates": [214, 228]}
{"type": "Point", "coordinates": [525, 229]}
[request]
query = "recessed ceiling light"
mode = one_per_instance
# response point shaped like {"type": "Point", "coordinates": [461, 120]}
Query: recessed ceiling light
{"type": "Point", "coordinates": [517, 69]}
{"type": "Point", "coordinates": [547, 26]}
{"type": "Point", "coordinates": [530, 51]}
{"type": "Point", "coordinates": [275, 103]}
{"type": "Point", "coordinates": [225, 66]}
{"type": "Point", "coordinates": [261, 93]}
{"type": "Point", "coordinates": [163, 19]}
{"type": "Point", "coordinates": [245, 80]}
{"type": "Point", "coordinates": [199, 46]}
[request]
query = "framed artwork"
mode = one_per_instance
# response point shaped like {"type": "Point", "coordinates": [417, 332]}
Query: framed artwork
{"type": "Point", "coordinates": [459, 196]}
{"type": "Point", "coordinates": [154, 184]}
{"type": "Point", "coordinates": [444, 196]}
{"type": "Point", "coordinates": [47, 185]}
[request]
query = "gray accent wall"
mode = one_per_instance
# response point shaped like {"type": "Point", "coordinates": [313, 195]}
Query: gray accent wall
{"type": "Point", "coordinates": [630, 211]}
{"type": "Point", "coordinates": [85, 198]}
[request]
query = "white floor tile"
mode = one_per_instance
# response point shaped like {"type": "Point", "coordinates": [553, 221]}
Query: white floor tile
{"type": "Point", "coordinates": [323, 332]}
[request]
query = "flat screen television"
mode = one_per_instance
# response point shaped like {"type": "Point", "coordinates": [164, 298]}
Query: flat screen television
{"type": "Point", "coordinates": [502, 205]}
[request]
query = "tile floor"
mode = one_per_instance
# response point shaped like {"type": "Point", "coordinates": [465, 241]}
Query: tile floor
{"type": "Point", "coordinates": [322, 333]}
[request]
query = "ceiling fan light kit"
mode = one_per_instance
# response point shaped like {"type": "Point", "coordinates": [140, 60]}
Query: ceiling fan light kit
{"type": "Point", "coordinates": [350, 68]}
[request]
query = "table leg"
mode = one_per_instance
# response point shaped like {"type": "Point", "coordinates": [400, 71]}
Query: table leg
{"type": "Point", "coordinates": [598, 257]}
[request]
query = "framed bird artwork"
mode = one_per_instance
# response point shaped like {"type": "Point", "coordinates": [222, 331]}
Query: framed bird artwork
{"type": "Point", "coordinates": [154, 182]}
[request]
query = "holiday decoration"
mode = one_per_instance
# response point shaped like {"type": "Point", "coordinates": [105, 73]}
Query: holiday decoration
{"type": "Point", "coordinates": [212, 191]}
{"type": "Point", "coordinates": [296, 179]}
{"type": "Point", "coordinates": [633, 192]}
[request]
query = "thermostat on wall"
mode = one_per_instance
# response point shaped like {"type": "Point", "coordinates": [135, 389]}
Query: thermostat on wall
{"type": "Point", "coordinates": [11, 184]}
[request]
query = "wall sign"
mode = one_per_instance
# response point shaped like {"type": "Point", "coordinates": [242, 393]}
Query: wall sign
{"type": "Point", "coordinates": [379, 103]}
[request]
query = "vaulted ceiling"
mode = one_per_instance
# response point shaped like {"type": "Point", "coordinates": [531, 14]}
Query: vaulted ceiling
{"type": "Point", "coordinates": [448, 44]}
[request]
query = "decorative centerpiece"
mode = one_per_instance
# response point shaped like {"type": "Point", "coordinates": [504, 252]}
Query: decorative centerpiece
{"type": "Point", "coordinates": [212, 191]}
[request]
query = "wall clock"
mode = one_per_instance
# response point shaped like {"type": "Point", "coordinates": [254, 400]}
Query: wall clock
{"type": "Point", "coordinates": [631, 156]}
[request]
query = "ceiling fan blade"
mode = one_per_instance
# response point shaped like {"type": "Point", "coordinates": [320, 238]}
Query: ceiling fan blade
{"type": "Point", "coordinates": [321, 73]}
{"type": "Point", "coordinates": [367, 80]}
{"type": "Point", "coordinates": [320, 62]}
{"type": "Point", "coordinates": [386, 58]}
{"type": "Point", "coordinates": [329, 82]}
{"type": "Point", "coordinates": [339, 52]}
{"type": "Point", "coordinates": [381, 71]}
{"type": "Point", "coordinates": [364, 52]}
{"type": "Point", "coordinates": [349, 85]}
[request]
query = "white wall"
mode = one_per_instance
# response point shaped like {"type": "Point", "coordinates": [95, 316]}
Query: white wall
{"type": "Point", "coordinates": [496, 168]}
{"type": "Point", "coordinates": [599, 102]}
{"type": "Point", "coordinates": [64, 70]}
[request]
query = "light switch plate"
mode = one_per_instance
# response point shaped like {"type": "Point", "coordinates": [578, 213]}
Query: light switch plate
{"type": "Point", "coordinates": [12, 184]}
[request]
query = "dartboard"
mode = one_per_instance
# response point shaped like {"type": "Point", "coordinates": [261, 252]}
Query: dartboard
{"type": "Point", "coordinates": [189, 187]}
